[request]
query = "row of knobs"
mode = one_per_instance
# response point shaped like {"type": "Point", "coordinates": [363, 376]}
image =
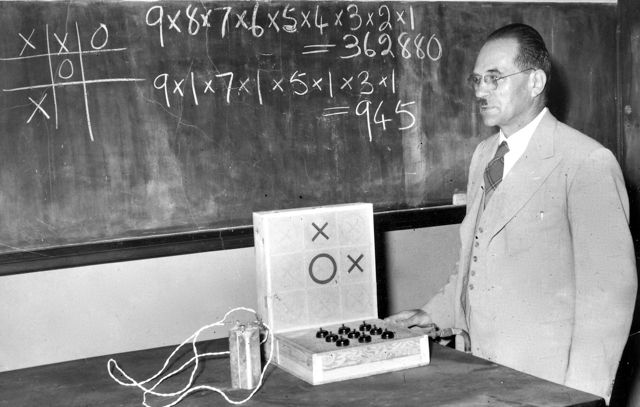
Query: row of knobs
{"type": "Point", "coordinates": [363, 334]}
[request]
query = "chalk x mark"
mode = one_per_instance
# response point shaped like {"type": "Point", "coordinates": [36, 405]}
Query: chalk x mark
{"type": "Point", "coordinates": [38, 108]}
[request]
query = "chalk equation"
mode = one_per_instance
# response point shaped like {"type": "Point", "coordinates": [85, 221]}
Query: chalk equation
{"type": "Point", "coordinates": [375, 25]}
{"type": "Point", "coordinates": [66, 67]}
{"type": "Point", "coordinates": [289, 20]}
{"type": "Point", "coordinates": [232, 87]}
{"type": "Point", "coordinates": [297, 83]}
{"type": "Point", "coordinates": [193, 20]}
{"type": "Point", "coordinates": [352, 37]}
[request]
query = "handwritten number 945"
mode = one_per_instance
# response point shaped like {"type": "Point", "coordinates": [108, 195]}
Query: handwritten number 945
{"type": "Point", "coordinates": [363, 108]}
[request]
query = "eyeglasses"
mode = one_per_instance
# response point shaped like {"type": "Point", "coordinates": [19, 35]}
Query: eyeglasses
{"type": "Point", "coordinates": [490, 80]}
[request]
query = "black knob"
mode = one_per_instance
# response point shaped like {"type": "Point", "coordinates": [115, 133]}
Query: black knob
{"type": "Point", "coordinates": [375, 330]}
{"type": "Point", "coordinates": [343, 329]}
{"type": "Point", "coordinates": [342, 342]}
{"type": "Point", "coordinates": [364, 339]}
{"type": "Point", "coordinates": [322, 333]}
{"type": "Point", "coordinates": [331, 337]}
{"type": "Point", "coordinates": [364, 326]}
{"type": "Point", "coordinates": [353, 334]}
{"type": "Point", "coordinates": [387, 334]}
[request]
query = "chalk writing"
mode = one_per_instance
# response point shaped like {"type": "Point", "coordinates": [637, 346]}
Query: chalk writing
{"type": "Point", "coordinates": [66, 73]}
{"type": "Point", "coordinates": [298, 83]}
{"type": "Point", "coordinates": [351, 35]}
{"type": "Point", "coordinates": [261, 18]}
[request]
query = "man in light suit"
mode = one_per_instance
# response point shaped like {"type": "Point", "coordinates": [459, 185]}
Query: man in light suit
{"type": "Point", "coordinates": [547, 279]}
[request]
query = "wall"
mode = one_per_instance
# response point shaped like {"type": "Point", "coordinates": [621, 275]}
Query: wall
{"type": "Point", "coordinates": [67, 314]}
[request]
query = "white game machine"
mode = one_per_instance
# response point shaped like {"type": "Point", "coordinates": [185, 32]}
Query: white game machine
{"type": "Point", "coordinates": [316, 286]}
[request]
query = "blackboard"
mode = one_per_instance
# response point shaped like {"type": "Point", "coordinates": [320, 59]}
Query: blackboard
{"type": "Point", "coordinates": [122, 121]}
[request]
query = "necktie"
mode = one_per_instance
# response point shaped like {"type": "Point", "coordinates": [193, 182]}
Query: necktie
{"type": "Point", "coordinates": [494, 170]}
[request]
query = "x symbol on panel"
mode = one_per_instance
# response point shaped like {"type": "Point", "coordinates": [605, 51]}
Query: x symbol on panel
{"type": "Point", "coordinates": [285, 310]}
{"type": "Point", "coordinates": [320, 231]}
{"type": "Point", "coordinates": [326, 306]}
{"type": "Point", "coordinates": [283, 235]}
{"type": "Point", "coordinates": [355, 263]}
{"type": "Point", "coordinates": [356, 300]}
{"type": "Point", "coordinates": [353, 226]}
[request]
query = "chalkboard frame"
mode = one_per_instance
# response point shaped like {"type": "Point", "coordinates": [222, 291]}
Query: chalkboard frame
{"type": "Point", "coordinates": [200, 241]}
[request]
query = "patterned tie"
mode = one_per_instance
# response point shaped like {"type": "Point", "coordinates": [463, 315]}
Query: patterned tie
{"type": "Point", "coordinates": [494, 170]}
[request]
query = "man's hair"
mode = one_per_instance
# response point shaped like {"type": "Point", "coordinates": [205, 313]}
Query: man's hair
{"type": "Point", "coordinates": [532, 51]}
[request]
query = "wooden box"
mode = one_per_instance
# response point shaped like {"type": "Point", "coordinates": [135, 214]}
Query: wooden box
{"type": "Point", "coordinates": [316, 269]}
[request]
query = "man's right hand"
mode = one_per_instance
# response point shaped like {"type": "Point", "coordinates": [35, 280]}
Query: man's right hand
{"type": "Point", "coordinates": [410, 318]}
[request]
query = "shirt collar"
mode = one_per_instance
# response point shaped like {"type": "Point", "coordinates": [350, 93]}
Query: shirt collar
{"type": "Point", "coordinates": [519, 140]}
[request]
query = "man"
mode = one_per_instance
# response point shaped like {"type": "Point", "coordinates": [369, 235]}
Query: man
{"type": "Point", "coordinates": [547, 280]}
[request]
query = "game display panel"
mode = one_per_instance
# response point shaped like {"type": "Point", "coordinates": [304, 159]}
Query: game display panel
{"type": "Point", "coordinates": [316, 288]}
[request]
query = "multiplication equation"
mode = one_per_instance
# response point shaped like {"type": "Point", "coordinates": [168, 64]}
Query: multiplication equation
{"type": "Point", "coordinates": [66, 67]}
{"type": "Point", "coordinates": [237, 87]}
{"type": "Point", "coordinates": [366, 33]}
{"type": "Point", "coordinates": [233, 86]}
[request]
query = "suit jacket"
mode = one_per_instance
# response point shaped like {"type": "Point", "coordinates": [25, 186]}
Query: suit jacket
{"type": "Point", "coordinates": [546, 280]}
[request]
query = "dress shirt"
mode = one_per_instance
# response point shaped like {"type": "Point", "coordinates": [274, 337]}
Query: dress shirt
{"type": "Point", "coordinates": [518, 142]}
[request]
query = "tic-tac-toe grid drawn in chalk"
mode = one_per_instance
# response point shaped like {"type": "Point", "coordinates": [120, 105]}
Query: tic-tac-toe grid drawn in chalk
{"type": "Point", "coordinates": [64, 56]}
{"type": "Point", "coordinates": [315, 265]}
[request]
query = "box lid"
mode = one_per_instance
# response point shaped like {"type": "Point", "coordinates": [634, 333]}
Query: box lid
{"type": "Point", "coordinates": [315, 266]}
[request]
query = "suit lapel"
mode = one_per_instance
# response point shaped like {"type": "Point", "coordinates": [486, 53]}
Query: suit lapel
{"type": "Point", "coordinates": [526, 176]}
{"type": "Point", "coordinates": [476, 193]}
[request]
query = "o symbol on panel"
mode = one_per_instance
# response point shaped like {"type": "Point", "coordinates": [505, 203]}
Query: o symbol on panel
{"type": "Point", "coordinates": [333, 273]}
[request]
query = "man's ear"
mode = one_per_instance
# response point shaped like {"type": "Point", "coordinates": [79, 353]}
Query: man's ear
{"type": "Point", "coordinates": [538, 80]}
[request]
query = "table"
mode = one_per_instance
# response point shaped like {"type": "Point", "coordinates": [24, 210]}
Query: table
{"type": "Point", "coordinates": [452, 379]}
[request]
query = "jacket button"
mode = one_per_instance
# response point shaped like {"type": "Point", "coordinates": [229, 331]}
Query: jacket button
{"type": "Point", "coordinates": [475, 258]}
{"type": "Point", "coordinates": [476, 244]}
{"type": "Point", "coordinates": [470, 286]}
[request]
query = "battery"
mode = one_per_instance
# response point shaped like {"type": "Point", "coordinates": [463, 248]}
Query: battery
{"type": "Point", "coordinates": [244, 350]}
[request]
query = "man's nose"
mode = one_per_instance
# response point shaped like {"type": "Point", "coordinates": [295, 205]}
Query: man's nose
{"type": "Point", "coordinates": [481, 91]}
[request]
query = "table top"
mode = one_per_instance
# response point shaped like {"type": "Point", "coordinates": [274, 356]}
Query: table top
{"type": "Point", "coordinates": [452, 378]}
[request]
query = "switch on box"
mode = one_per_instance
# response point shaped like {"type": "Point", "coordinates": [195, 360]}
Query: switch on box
{"type": "Point", "coordinates": [316, 274]}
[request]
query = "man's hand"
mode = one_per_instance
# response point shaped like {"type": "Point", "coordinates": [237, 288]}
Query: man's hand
{"type": "Point", "coordinates": [410, 318]}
